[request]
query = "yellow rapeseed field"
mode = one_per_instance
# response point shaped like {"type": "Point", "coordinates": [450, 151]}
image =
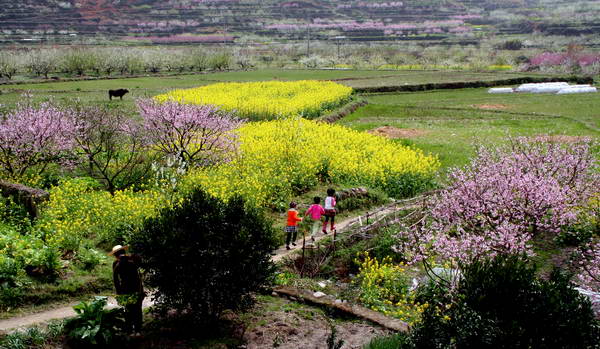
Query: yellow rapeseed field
{"type": "Point", "coordinates": [278, 157]}
{"type": "Point", "coordinates": [76, 210]}
{"type": "Point", "coordinates": [266, 100]}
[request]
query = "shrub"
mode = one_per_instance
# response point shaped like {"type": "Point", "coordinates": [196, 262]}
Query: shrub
{"type": "Point", "coordinates": [29, 253]}
{"type": "Point", "coordinates": [205, 256]}
{"type": "Point", "coordinates": [370, 198]}
{"type": "Point", "coordinates": [9, 272]}
{"type": "Point", "coordinates": [384, 287]}
{"type": "Point", "coordinates": [383, 245]}
{"type": "Point", "coordinates": [89, 258]}
{"type": "Point", "coordinates": [513, 45]}
{"type": "Point", "coordinates": [93, 325]}
{"type": "Point", "coordinates": [501, 303]}
{"type": "Point", "coordinates": [396, 341]}
{"type": "Point", "coordinates": [13, 214]}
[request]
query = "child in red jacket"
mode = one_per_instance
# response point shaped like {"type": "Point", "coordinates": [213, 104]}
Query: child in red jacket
{"type": "Point", "coordinates": [292, 225]}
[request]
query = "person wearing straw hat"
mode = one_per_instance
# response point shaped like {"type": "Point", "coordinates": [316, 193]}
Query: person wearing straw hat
{"type": "Point", "coordinates": [128, 285]}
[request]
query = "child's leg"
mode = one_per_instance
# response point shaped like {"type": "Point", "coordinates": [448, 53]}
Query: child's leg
{"type": "Point", "coordinates": [295, 235]}
{"type": "Point", "coordinates": [315, 227]}
{"type": "Point", "coordinates": [325, 225]}
{"type": "Point", "coordinates": [332, 224]}
{"type": "Point", "coordinates": [288, 235]}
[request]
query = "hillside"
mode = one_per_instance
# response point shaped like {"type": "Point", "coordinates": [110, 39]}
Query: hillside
{"type": "Point", "coordinates": [224, 20]}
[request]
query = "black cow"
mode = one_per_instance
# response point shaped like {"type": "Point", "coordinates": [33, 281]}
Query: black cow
{"type": "Point", "coordinates": [117, 93]}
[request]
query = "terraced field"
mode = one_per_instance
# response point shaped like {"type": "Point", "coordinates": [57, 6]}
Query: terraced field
{"type": "Point", "coordinates": [223, 21]}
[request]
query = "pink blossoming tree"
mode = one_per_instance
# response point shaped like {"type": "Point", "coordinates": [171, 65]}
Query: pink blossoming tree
{"type": "Point", "coordinates": [507, 196]}
{"type": "Point", "coordinates": [113, 148]}
{"type": "Point", "coordinates": [31, 138]}
{"type": "Point", "coordinates": [198, 135]}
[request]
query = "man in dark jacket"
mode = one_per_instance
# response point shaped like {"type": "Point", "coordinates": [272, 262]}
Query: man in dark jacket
{"type": "Point", "coordinates": [128, 284]}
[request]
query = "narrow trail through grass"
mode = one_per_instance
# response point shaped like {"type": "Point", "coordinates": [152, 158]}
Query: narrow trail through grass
{"type": "Point", "coordinates": [18, 322]}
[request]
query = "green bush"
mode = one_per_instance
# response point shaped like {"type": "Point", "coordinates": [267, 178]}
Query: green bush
{"type": "Point", "coordinates": [10, 297]}
{"type": "Point", "coordinates": [383, 244]}
{"type": "Point", "coordinates": [395, 341]}
{"type": "Point", "coordinates": [30, 253]}
{"type": "Point", "coordinates": [94, 325]}
{"type": "Point", "coordinates": [371, 198]}
{"type": "Point", "coordinates": [11, 280]}
{"type": "Point", "coordinates": [501, 303]}
{"type": "Point", "coordinates": [14, 215]}
{"type": "Point", "coordinates": [89, 258]}
{"type": "Point", "coordinates": [205, 256]}
{"type": "Point", "coordinates": [407, 185]}
{"type": "Point", "coordinates": [9, 271]}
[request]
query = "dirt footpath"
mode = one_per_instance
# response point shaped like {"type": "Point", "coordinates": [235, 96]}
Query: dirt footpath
{"type": "Point", "coordinates": [9, 325]}
{"type": "Point", "coordinates": [12, 324]}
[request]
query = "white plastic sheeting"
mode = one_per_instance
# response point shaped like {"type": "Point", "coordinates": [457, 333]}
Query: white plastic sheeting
{"type": "Point", "coordinates": [535, 87]}
{"type": "Point", "coordinates": [547, 87]}
{"type": "Point", "coordinates": [501, 90]}
{"type": "Point", "coordinates": [571, 90]}
{"type": "Point", "coordinates": [586, 85]}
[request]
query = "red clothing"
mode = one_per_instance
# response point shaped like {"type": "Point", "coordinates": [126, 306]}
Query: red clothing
{"type": "Point", "coordinates": [292, 218]}
{"type": "Point", "coordinates": [315, 211]}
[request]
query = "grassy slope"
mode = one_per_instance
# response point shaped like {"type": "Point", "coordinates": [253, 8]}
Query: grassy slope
{"type": "Point", "coordinates": [454, 119]}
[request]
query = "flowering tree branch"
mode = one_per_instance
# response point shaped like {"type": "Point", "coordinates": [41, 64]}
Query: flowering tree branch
{"type": "Point", "coordinates": [198, 135]}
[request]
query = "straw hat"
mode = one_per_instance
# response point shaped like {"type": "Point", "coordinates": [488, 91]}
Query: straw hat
{"type": "Point", "coordinates": [117, 248]}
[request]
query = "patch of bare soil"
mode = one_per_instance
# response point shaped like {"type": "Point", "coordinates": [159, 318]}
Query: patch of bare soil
{"type": "Point", "coordinates": [490, 106]}
{"type": "Point", "coordinates": [394, 132]}
{"type": "Point", "coordinates": [295, 325]}
{"type": "Point", "coordinates": [559, 138]}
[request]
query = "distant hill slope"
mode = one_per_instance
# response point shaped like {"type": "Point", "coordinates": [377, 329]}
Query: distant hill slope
{"type": "Point", "coordinates": [355, 20]}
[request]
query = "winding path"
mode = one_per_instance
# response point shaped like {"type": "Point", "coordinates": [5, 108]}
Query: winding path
{"type": "Point", "coordinates": [18, 322]}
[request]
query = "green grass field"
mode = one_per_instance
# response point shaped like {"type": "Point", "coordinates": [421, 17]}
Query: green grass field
{"type": "Point", "coordinates": [454, 121]}
{"type": "Point", "coordinates": [95, 91]}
